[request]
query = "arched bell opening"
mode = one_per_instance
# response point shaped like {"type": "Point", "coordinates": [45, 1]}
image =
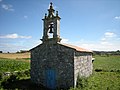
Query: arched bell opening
{"type": "Point", "coordinates": [51, 30]}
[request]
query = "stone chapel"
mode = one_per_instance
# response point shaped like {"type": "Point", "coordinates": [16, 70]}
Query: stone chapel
{"type": "Point", "coordinates": [56, 65]}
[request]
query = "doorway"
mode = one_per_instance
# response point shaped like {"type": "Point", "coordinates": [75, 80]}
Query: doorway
{"type": "Point", "coordinates": [50, 79]}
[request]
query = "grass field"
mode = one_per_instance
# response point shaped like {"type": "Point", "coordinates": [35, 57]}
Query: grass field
{"type": "Point", "coordinates": [106, 73]}
{"type": "Point", "coordinates": [10, 65]}
{"type": "Point", "coordinates": [111, 63]}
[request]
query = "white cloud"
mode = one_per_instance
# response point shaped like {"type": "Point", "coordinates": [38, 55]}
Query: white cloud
{"type": "Point", "coordinates": [110, 34]}
{"type": "Point", "coordinates": [117, 17]}
{"type": "Point", "coordinates": [0, 0]}
{"type": "Point", "coordinates": [64, 40]}
{"type": "Point", "coordinates": [17, 45]}
{"type": "Point", "coordinates": [104, 43]}
{"type": "Point", "coordinates": [10, 36]}
{"type": "Point", "coordinates": [103, 39]}
{"type": "Point", "coordinates": [26, 37]}
{"type": "Point", "coordinates": [108, 38]}
{"type": "Point", "coordinates": [12, 47]}
{"type": "Point", "coordinates": [25, 16]}
{"type": "Point", "coordinates": [14, 36]}
{"type": "Point", "coordinates": [109, 42]}
{"type": "Point", "coordinates": [7, 7]}
{"type": "Point", "coordinates": [98, 45]}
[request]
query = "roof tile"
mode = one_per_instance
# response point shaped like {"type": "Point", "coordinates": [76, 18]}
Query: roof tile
{"type": "Point", "coordinates": [76, 48]}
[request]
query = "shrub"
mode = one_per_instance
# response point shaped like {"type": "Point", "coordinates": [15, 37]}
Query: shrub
{"type": "Point", "coordinates": [82, 82]}
{"type": "Point", "coordinates": [27, 72]}
{"type": "Point", "coordinates": [24, 73]}
{"type": "Point", "coordinates": [7, 80]}
{"type": "Point", "coordinates": [98, 70]}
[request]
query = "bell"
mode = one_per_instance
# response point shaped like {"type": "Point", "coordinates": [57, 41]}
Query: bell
{"type": "Point", "coordinates": [51, 31]}
{"type": "Point", "coordinates": [51, 28]}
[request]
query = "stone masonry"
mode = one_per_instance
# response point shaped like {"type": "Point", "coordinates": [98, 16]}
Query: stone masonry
{"type": "Point", "coordinates": [55, 57]}
{"type": "Point", "coordinates": [56, 65]}
{"type": "Point", "coordinates": [82, 65]}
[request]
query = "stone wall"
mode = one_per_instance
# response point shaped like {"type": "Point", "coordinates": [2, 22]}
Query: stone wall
{"type": "Point", "coordinates": [82, 65]}
{"type": "Point", "coordinates": [67, 63]}
{"type": "Point", "coordinates": [55, 57]}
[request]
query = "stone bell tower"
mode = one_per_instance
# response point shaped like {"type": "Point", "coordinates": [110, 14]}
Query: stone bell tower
{"type": "Point", "coordinates": [51, 26]}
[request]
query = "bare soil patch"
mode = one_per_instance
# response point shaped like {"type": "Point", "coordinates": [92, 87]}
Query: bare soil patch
{"type": "Point", "coordinates": [15, 55]}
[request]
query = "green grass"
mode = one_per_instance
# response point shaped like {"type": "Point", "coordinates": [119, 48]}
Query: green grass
{"type": "Point", "coordinates": [109, 77]}
{"type": "Point", "coordinates": [26, 58]}
{"type": "Point", "coordinates": [10, 65]}
{"type": "Point", "coordinates": [104, 81]}
{"type": "Point", "coordinates": [111, 63]}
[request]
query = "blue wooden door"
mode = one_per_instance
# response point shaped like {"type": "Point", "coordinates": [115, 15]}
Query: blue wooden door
{"type": "Point", "coordinates": [50, 79]}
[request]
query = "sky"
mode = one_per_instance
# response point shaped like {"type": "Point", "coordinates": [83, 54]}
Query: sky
{"type": "Point", "coordinates": [90, 24]}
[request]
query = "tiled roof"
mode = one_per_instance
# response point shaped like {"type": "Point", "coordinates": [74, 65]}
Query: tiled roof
{"type": "Point", "coordinates": [76, 48]}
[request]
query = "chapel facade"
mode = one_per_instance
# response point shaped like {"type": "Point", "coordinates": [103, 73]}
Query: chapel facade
{"type": "Point", "coordinates": [56, 65]}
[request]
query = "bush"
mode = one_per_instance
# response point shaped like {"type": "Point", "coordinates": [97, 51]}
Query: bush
{"type": "Point", "coordinates": [82, 82]}
{"type": "Point", "coordinates": [24, 73]}
{"type": "Point", "coordinates": [27, 72]}
{"type": "Point", "coordinates": [98, 70]}
{"type": "Point", "coordinates": [7, 80]}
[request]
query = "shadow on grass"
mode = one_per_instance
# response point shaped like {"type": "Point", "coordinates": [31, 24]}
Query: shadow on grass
{"type": "Point", "coordinates": [24, 84]}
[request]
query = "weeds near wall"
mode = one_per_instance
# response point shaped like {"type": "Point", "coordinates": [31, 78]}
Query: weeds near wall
{"type": "Point", "coordinates": [82, 82]}
{"type": "Point", "coordinates": [6, 80]}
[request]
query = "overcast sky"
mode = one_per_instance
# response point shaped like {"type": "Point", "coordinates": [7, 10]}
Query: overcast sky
{"type": "Point", "coordinates": [91, 24]}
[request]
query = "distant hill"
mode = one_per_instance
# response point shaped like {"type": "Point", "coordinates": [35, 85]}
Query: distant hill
{"type": "Point", "coordinates": [106, 52]}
